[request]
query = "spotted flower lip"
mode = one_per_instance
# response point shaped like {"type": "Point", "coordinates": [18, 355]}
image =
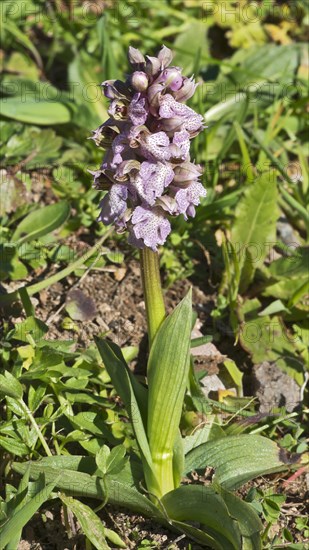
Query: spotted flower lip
{"type": "Point", "coordinates": [146, 170]}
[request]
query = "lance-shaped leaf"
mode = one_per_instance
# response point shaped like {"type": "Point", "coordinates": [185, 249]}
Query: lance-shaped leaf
{"type": "Point", "coordinates": [91, 525]}
{"type": "Point", "coordinates": [130, 391]}
{"type": "Point", "coordinates": [30, 111]}
{"type": "Point", "coordinates": [248, 521]}
{"type": "Point", "coordinates": [168, 371]}
{"type": "Point", "coordinates": [79, 484]}
{"type": "Point", "coordinates": [24, 514]}
{"type": "Point", "coordinates": [238, 458]}
{"type": "Point", "coordinates": [10, 386]}
{"type": "Point", "coordinates": [204, 505]}
{"type": "Point", "coordinates": [196, 534]}
{"type": "Point", "coordinates": [254, 229]}
{"type": "Point", "coordinates": [41, 222]}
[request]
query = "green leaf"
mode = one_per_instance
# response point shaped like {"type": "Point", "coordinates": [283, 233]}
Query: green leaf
{"type": "Point", "coordinates": [130, 475]}
{"type": "Point", "coordinates": [90, 523]}
{"type": "Point", "coordinates": [238, 458]}
{"type": "Point", "coordinates": [247, 519]}
{"type": "Point", "coordinates": [22, 516]}
{"type": "Point", "coordinates": [23, 39]}
{"type": "Point", "coordinates": [101, 458]}
{"type": "Point", "coordinates": [37, 147]}
{"type": "Point", "coordinates": [197, 534]}
{"type": "Point", "coordinates": [268, 339]}
{"type": "Point", "coordinates": [13, 446]}
{"type": "Point", "coordinates": [294, 266]}
{"type": "Point", "coordinates": [188, 43]}
{"type": "Point", "coordinates": [254, 228]}
{"type": "Point", "coordinates": [31, 326]}
{"type": "Point", "coordinates": [116, 459]}
{"type": "Point", "coordinates": [15, 504]}
{"type": "Point", "coordinates": [259, 75]}
{"type": "Point", "coordinates": [114, 538]}
{"type": "Point", "coordinates": [127, 388]}
{"type": "Point", "coordinates": [210, 431]}
{"type": "Point", "coordinates": [275, 307]}
{"type": "Point", "coordinates": [204, 505]}
{"type": "Point", "coordinates": [168, 372]}
{"type": "Point", "coordinates": [85, 77]}
{"type": "Point", "coordinates": [231, 376]}
{"type": "Point", "coordinates": [79, 484]}
{"type": "Point", "coordinates": [41, 222]}
{"type": "Point", "coordinates": [10, 386]}
{"type": "Point", "coordinates": [200, 341]}
{"type": "Point", "coordinates": [44, 113]}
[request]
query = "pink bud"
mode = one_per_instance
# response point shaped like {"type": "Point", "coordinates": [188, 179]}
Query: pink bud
{"type": "Point", "coordinates": [187, 90]}
{"type": "Point", "coordinates": [165, 56]}
{"type": "Point", "coordinates": [172, 78]}
{"type": "Point", "coordinates": [139, 81]}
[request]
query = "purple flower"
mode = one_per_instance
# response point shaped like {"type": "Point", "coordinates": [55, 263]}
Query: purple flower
{"type": "Point", "coordinates": [146, 167]}
{"type": "Point", "coordinates": [171, 78]}
{"type": "Point", "coordinates": [189, 197]}
{"type": "Point", "coordinates": [137, 110]}
{"type": "Point", "coordinates": [139, 81]}
{"type": "Point", "coordinates": [114, 205]}
{"type": "Point", "coordinates": [151, 180]}
{"type": "Point", "coordinates": [149, 227]}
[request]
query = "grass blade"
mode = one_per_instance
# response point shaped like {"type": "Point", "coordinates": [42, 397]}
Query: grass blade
{"type": "Point", "coordinates": [21, 518]}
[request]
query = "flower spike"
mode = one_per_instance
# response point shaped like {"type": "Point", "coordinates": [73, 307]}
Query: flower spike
{"type": "Point", "coordinates": [147, 170]}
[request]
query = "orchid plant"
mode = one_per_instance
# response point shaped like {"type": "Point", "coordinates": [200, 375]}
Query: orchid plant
{"type": "Point", "coordinates": [150, 178]}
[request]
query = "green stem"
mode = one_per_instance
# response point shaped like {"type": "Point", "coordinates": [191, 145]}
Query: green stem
{"type": "Point", "coordinates": [36, 427]}
{"type": "Point", "coordinates": [155, 308]}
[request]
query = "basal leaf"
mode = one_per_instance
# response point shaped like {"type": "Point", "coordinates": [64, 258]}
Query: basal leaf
{"type": "Point", "coordinates": [79, 484]}
{"type": "Point", "coordinates": [248, 521]}
{"type": "Point", "coordinates": [204, 505]}
{"type": "Point", "coordinates": [196, 534]}
{"type": "Point", "coordinates": [237, 458]}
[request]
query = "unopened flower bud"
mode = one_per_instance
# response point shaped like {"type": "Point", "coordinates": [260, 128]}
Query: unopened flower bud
{"type": "Point", "coordinates": [139, 81]}
{"type": "Point", "coordinates": [172, 78]}
{"type": "Point", "coordinates": [186, 91]}
{"type": "Point", "coordinates": [136, 58]}
{"type": "Point", "coordinates": [186, 173]}
{"type": "Point", "coordinates": [153, 65]}
{"type": "Point", "coordinates": [115, 89]}
{"type": "Point", "coordinates": [165, 56]}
